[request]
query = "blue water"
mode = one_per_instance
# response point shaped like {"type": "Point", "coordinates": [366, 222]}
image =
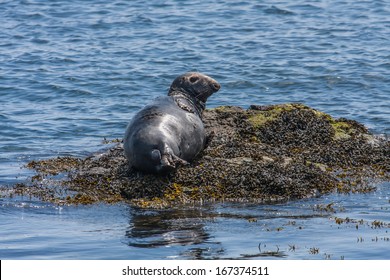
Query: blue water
{"type": "Point", "coordinates": [74, 72]}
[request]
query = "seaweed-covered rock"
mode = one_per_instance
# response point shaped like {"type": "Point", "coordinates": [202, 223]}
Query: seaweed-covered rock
{"type": "Point", "coordinates": [264, 153]}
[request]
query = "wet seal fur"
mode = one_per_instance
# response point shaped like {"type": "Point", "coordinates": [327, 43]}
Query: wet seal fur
{"type": "Point", "coordinates": [169, 131]}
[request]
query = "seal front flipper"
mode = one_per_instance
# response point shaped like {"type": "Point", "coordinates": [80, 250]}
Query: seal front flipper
{"type": "Point", "coordinates": [209, 136]}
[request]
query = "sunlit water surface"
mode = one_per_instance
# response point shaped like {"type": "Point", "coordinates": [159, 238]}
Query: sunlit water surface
{"type": "Point", "coordinates": [74, 72]}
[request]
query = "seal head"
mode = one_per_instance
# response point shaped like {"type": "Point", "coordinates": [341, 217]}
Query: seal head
{"type": "Point", "coordinates": [197, 85]}
{"type": "Point", "coordinates": [169, 131]}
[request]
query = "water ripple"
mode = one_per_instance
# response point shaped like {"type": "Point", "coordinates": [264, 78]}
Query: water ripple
{"type": "Point", "coordinates": [74, 72]}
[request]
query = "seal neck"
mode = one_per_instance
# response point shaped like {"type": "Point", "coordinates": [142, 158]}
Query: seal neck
{"type": "Point", "coordinates": [197, 104]}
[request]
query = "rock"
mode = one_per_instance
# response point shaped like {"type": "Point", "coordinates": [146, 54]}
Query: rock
{"type": "Point", "coordinates": [263, 154]}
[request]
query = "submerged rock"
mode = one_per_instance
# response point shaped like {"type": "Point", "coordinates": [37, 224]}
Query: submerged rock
{"type": "Point", "coordinates": [262, 154]}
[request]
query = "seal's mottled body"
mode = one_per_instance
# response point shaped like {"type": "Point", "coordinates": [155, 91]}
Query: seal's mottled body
{"type": "Point", "coordinates": [170, 131]}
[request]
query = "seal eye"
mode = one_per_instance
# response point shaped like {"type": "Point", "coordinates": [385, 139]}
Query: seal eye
{"type": "Point", "coordinates": [193, 79]}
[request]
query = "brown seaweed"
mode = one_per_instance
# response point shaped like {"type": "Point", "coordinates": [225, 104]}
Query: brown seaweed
{"type": "Point", "coordinates": [262, 154]}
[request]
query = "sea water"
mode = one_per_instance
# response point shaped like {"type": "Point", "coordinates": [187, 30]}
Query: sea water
{"type": "Point", "coordinates": [73, 73]}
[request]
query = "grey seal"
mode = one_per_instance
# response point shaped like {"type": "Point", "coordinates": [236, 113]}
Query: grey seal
{"type": "Point", "coordinates": [169, 131]}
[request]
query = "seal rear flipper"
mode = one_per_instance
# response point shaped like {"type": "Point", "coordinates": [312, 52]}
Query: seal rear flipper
{"type": "Point", "coordinates": [178, 161]}
{"type": "Point", "coordinates": [170, 162]}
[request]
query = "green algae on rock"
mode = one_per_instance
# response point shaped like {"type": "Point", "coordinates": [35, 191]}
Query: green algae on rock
{"type": "Point", "coordinates": [262, 154]}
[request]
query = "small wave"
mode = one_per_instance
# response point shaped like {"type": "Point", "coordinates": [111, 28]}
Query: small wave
{"type": "Point", "coordinates": [273, 10]}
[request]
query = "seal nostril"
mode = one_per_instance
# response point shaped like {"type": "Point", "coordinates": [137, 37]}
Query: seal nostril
{"type": "Point", "coordinates": [216, 86]}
